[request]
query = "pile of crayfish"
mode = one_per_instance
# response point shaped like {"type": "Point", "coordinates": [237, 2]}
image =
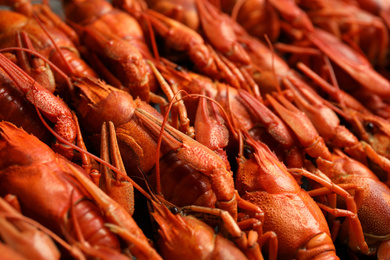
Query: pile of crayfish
{"type": "Point", "coordinates": [197, 129]}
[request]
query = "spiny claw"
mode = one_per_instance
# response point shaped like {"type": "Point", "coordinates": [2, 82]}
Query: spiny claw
{"type": "Point", "coordinates": [219, 30]}
{"type": "Point", "coordinates": [51, 106]}
{"type": "Point", "coordinates": [302, 127]}
{"type": "Point", "coordinates": [34, 66]}
{"type": "Point", "coordinates": [290, 11]}
{"type": "Point", "coordinates": [275, 126]}
{"type": "Point", "coordinates": [113, 184]}
{"type": "Point", "coordinates": [183, 38]}
{"type": "Point", "coordinates": [356, 65]}
{"type": "Point", "coordinates": [46, 15]}
{"type": "Point", "coordinates": [124, 59]}
{"type": "Point", "coordinates": [179, 113]}
{"type": "Point", "coordinates": [210, 128]}
{"type": "Point", "coordinates": [324, 119]}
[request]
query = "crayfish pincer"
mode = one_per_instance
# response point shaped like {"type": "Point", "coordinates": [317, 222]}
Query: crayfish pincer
{"type": "Point", "coordinates": [124, 61]}
{"type": "Point", "coordinates": [52, 107]}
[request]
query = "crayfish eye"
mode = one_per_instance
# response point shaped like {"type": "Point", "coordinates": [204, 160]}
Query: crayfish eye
{"type": "Point", "coordinates": [248, 152]}
{"type": "Point", "coordinates": [174, 210]}
{"type": "Point", "coordinates": [370, 127]}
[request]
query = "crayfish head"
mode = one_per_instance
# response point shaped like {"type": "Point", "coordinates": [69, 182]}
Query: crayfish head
{"type": "Point", "coordinates": [98, 102]}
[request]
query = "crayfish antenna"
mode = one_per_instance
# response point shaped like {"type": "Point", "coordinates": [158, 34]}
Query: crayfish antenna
{"type": "Point", "coordinates": [236, 8]}
{"type": "Point", "coordinates": [276, 81]}
{"type": "Point", "coordinates": [152, 40]}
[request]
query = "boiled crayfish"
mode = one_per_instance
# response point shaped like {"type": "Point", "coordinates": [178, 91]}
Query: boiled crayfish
{"type": "Point", "coordinates": [246, 128]}
{"type": "Point", "coordinates": [70, 207]}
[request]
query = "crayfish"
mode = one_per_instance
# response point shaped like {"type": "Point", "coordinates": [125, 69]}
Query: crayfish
{"type": "Point", "coordinates": [215, 140]}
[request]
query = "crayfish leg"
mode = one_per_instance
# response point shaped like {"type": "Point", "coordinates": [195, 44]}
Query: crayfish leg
{"type": "Point", "coordinates": [356, 236]}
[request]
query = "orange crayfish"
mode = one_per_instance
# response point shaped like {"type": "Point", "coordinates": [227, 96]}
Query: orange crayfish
{"type": "Point", "coordinates": [71, 211]}
{"type": "Point", "coordinates": [263, 180]}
